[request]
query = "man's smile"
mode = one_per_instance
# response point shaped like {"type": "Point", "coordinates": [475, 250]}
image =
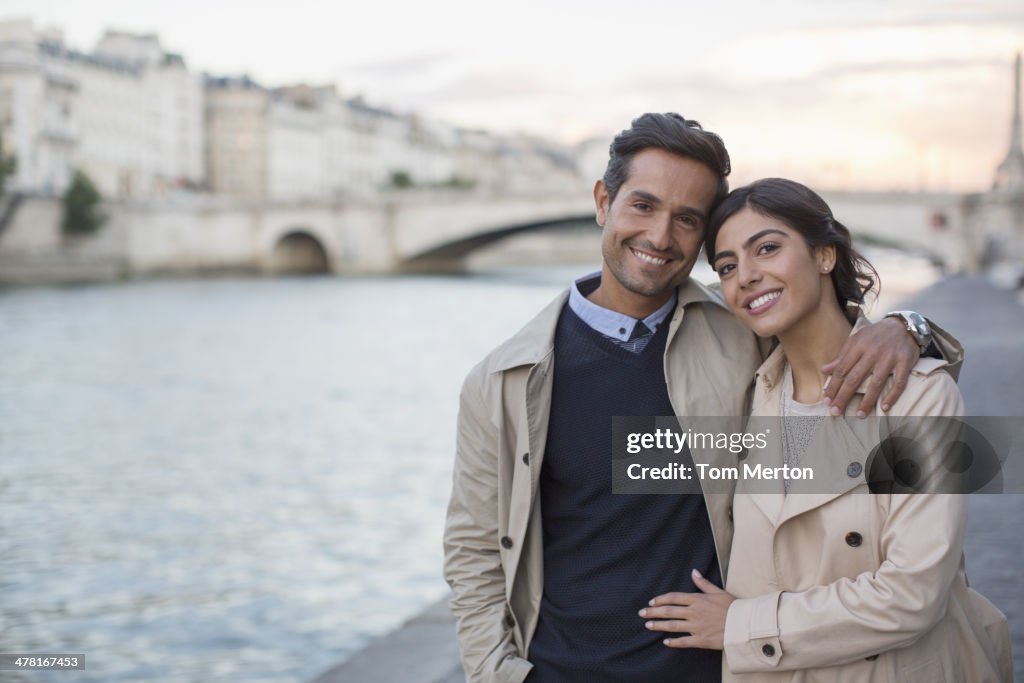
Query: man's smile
{"type": "Point", "coordinates": [649, 258]}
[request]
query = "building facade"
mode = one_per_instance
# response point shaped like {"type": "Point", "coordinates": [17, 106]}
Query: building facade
{"type": "Point", "coordinates": [128, 113]}
{"type": "Point", "coordinates": [141, 124]}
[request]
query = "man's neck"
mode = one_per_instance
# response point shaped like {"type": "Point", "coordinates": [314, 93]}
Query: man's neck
{"type": "Point", "coordinates": [613, 296]}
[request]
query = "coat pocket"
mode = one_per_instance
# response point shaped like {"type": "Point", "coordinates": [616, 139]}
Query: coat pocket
{"type": "Point", "coordinates": [998, 631]}
{"type": "Point", "coordinates": [931, 671]}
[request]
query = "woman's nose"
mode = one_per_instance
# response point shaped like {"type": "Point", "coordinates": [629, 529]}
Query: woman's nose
{"type": "Point", "coordinates": [748, 274]}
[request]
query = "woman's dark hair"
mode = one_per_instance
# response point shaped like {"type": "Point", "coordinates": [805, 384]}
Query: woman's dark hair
{"type": "Point", "coordinates": [672, 133]}
{"type": "Point", "coordinates": [803, 210]}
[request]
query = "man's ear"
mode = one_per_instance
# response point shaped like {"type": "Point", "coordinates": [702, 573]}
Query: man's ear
{"type": "Point", "coordinates": [601, 201]}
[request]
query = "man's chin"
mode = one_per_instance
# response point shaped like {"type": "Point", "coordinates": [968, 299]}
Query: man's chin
{"type": "Point", "coordinates": [652, 290]}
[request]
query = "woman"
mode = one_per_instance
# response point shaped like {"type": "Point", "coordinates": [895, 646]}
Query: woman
{"type": "Point", "coordinates": [828, 584]}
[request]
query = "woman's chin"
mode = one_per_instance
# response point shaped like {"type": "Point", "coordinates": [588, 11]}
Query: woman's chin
{"type": "Point", "coordinates": [762, 325]}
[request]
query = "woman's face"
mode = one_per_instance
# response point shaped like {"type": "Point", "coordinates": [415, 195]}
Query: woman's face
{"type": "Point", "coordinates": [770, 278]}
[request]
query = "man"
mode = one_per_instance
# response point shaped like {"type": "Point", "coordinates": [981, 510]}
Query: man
{"type": "Point", "coordinates": [548, 568]}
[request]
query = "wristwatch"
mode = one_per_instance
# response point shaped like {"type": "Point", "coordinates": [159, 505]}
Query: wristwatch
{"type": "Point", "coordinates": [917, 326]}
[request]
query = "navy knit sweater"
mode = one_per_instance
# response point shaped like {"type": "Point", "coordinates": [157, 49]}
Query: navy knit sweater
{"type": "Point", "coordinates": [606, 555]}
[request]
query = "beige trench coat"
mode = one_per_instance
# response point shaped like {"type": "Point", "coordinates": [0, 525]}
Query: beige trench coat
{"type": "Point", "coordinates": [851, 586]}
{"type": "Point", "coordinates": [493, 537]}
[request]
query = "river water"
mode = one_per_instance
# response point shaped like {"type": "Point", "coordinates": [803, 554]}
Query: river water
{"type": "Point", "coordinates": [234, 480]}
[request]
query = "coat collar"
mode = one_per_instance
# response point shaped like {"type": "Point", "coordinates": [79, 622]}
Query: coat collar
{"type": "Point", "coordinates": [836, 446]}
{"type": "Point", "coordinates": [536, 340]}
{"type": "Point", "coordinates": [840, 460]}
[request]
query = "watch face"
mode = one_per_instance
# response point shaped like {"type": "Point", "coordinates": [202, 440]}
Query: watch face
{"type": "Point", "coordinates": [919, 323]}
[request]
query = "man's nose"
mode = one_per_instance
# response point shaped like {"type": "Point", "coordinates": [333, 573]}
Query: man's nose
{"type": "Point", "coordinates": [661, 234]}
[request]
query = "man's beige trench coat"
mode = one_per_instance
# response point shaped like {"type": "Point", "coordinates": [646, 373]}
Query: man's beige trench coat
{"type": "Point", "coordinates": [837, 584]}
{"type": "Point", "coordinates": [493, 537]}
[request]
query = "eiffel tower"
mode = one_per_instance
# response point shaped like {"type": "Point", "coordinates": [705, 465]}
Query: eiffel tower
{"type": "Point", "coordinates": [1010, 174]}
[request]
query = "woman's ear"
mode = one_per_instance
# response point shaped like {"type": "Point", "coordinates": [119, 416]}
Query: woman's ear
{"type": "Point", "coordinates": [826, 257]}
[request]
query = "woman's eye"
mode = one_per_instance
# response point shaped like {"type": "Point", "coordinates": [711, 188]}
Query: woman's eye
{"type": "Point", "coordinates": [767, 248]}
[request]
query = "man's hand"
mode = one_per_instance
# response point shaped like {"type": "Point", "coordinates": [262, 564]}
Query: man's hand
{"type": "Point", "coordinates": [702, 615]}
{"type": "Point", "coordinates": [874, 353]}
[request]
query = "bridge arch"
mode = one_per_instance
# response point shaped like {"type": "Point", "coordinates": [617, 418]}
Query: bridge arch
{"type": "Point", "coordinates": [451, 255]}
{"type": "Point", "coordinates": [299, 252]}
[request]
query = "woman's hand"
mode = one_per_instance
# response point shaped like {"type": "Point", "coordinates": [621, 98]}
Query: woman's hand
{"type": "Point", "coordinates": [702, 615]}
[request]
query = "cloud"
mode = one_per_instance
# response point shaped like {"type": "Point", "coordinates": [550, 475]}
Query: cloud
{"type": "Point", "coordinates": [404, 65]}
{"type": "Point", "coordinates": [907, 67]}
{"type": "Point", "coordinates": [486, 86]}
{"type": "Point", "coordinates": [802, 87]}
{"type": "Point", "coordinates": [973, 18]}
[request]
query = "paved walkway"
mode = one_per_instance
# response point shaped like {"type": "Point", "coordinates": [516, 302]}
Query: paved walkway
{"type": "Point", "coordinates": [422, 650]}
{"type": "Point", "coordinates": [990, 324]}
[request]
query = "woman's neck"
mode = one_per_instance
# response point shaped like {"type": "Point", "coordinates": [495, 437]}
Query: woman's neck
{"type": "Point", "coordinates": [811, 343]}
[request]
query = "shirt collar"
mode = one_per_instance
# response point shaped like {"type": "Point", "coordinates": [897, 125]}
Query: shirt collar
{"type": "Point", "coordinates": [606, 321]}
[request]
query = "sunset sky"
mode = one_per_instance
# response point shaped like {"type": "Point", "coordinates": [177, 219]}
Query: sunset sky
{"type": "Point", "coordinates": [857, 94]}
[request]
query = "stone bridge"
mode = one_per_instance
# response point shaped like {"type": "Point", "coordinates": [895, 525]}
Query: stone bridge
{"type": "Point", "coordinates": [404, 232]}
{"type": "Point", "coordinates": [398, 232]}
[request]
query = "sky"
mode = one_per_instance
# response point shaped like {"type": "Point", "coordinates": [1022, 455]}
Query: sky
{"type": "Point", "coordinates": [845, 94]}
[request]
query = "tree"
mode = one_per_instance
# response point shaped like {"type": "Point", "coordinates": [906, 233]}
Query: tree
{"type": "Point", "coordinates": [8, 165]}
{"type": "Point", "coordinates": [401, 180]}
{"type": "Point", "coordinates": [82, 215]}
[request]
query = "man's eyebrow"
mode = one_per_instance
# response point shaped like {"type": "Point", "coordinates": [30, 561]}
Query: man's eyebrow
{"type": "Point", "coordinates": [753, 238]}
{"type": "Point", "coordinates": [653, 199]}
{"type": "Point", "coordinates": [692, 211]}
{"type": "Point", "coordinates": [645, 196]}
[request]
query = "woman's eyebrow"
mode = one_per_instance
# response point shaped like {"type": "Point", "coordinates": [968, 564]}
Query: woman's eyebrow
{"type": "Point", "coordinates": [753, 238]}
{"type": "Point", "coordinates": [758, 235]}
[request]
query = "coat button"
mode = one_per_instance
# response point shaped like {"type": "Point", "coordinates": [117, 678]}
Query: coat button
{"type": "Point", "coordinates": [526, 458]}
{"type": "Point", "coordinates": [509, 621]}
{"type": "Point", "coordinates": [854, 469]}
{"type": "Point", "coordinates": [871, 658]}
{"type": "Point", "coordinates": [506, 542]}
{"type": "Point", "coordinates": [853, 539]}
{"type": "Point", "coordinates": [768, 650]}
{"type": "Point", "coordinates": [730, 513]}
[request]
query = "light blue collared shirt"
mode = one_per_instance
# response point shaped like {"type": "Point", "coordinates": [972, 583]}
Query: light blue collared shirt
{"type": "Point", "coordinates": [606, 321]}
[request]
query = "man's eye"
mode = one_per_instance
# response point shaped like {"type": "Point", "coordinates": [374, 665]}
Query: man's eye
{"type": "Point", "coordinates": [725, 269]}
{"type": "Point", "coordinates": [642, 207]}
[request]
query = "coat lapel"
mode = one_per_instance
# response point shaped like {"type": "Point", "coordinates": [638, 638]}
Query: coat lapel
{"type": "Point", "coordinates": [838, 458]}
{"type": "Point", "coordinates": [767, 494]}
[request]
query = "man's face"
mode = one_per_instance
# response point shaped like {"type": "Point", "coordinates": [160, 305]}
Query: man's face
{"type": "Point", "coordinates": [652, 231]}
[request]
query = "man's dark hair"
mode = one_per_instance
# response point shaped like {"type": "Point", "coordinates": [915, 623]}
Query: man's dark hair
{"type": "Point", "coordinates": [672, 133]}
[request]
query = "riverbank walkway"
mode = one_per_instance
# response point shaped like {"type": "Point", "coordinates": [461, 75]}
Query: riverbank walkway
{"type": "Point", "coordinates": [990, 323]}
